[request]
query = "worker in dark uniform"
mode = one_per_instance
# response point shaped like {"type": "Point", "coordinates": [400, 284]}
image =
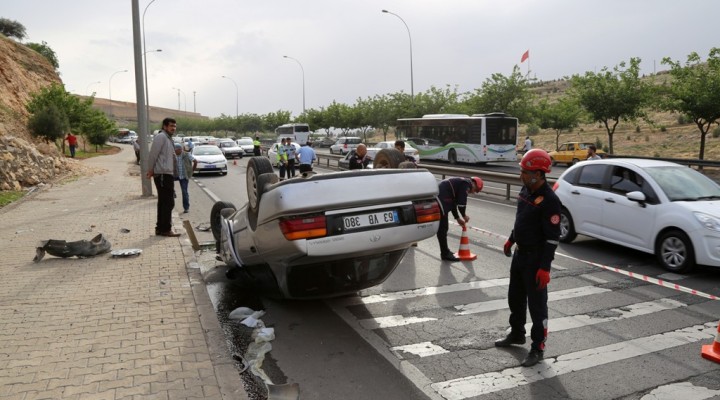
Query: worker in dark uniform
{"type": "Point", "coordinates": [359, 160]}
{"type": "Point", "coordinates": [536, 232]}
{"type": "Point", "coordinates": [453, 194]}
{"type": "Point", "coordinates": [257, 146]}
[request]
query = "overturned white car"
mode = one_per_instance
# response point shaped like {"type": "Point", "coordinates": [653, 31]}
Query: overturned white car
{"type": "Point", "coordinates": [325, 235]}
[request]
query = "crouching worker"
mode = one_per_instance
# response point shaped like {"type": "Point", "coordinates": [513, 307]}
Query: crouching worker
{"type": "Point", "coordinates": [453, 194]}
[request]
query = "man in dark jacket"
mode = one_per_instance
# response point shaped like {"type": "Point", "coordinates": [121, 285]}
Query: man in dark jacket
{"type": "Point", "coordinates": [359, 160]}
{"type": "Point", "coordinates": [453, 194]}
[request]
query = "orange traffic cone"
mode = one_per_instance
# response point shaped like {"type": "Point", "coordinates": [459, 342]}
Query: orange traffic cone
{"type": "Point", "coordinates": [712, 351]}
{"type": "Point", "coordinates": [464, 254]}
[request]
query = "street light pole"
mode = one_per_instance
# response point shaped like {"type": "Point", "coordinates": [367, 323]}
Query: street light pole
{"type": "Point", "coordinates": [303, 78]}
{"type": "Point", "coordinates": [412, 89]}
{"type": "Point", "coordinates": [147, 98]}
{"type": "Point", "coordinates": [237, 91]}
{"type": "Point", "coordinates": [87, 90]}
{"type": "Point", "coordinates": [110, 83]}
{"type": "Point", "coordinates": [185, 97]}
{"type": "Point", "coordinates": [194, 101]}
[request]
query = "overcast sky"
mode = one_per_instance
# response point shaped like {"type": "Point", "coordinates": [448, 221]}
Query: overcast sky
{"type": "Point", "coordinates": [349, 49]}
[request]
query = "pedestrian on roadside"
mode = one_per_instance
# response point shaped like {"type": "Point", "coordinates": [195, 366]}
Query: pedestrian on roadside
{"type": "Point", "coordinates": [359, 160]}
{"type": "Point", "coordinates": [72, 143]}
{"type": "Point", "coordinates": [186, 165]}
{"type": "Point", "coordinates": [536, 232]}
{"type": "Point", "coordinates": [528, 144]}
{"type": "Point", "coordinates": [162, 168]}
{"type": "Point", "coordinates": [256, 146]}
{"type": "Point", "coordinates": [136, 148]}
{"type": "Point", "coordinates": [452, 193]}
{"type": "Point", "coordinates": [306, 157]}
{"type": "Point", "coordinates": [291, 157]}
{"type": "Point", "coordinates": [400, 146]}
{"type": "Point", "coordinates": [592, 153]}
{"type": "Point", "coordinates": [281, 159]}
{"type": "Point", "coordinates": [190, 145]}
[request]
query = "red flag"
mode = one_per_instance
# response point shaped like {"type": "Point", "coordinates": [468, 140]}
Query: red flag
{"type": "Point", "coordinates": [525, 56]}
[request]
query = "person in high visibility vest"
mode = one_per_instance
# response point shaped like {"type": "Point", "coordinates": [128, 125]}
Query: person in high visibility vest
{"type": "Point", "coordinates": [256, 146]}
{"type": "Point", "coordinates": [282, 159]}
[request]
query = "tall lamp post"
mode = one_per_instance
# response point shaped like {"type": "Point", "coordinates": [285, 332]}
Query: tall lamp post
{"type": "Point", "coordinates": [303, 78]}
{"type": "Point", "coordinates": [412, 90]}
{"type": "Point", "coordinates": [110, 83]}
{"type": "Point", "coordinates": [185, 97]}
{"type": "Point", "coordinates": [237, 95]}
{"type": "Point", "coordinates": [147, 98]}
{"type": "Point", "coordinates": [87, 90]}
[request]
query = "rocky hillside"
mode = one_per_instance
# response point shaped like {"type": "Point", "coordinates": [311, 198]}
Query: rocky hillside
{"type": "Point", "coordinates": [24, 160]}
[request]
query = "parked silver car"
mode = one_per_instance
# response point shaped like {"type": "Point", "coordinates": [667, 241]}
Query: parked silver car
{"type": "Point", "coordinates": [311, 237]}
{"type": "Point", "coordinates": [230, 149]}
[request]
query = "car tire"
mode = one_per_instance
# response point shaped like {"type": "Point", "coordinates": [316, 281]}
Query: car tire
{"type": "Point", "coordinates": [262, 184]}
{"type": "Point", "coordinates": [331, 152]}
{"type": "Point", "coordinates": [567, 227]}
{"type": "Point", "coordinates": [256, 167]}
{"type": "Point", "coordinates": [452, 157]}
{"type": "Point", "coordinates": [574, 161]}
{"type": "Point", "coordinates": [388, 158]}
{"type": "Point", "coordinates": [216, 217]}
{"type": "Point", "coordinates": [553, 162]}
{"type": "Point", "coordinates": [674, 251]}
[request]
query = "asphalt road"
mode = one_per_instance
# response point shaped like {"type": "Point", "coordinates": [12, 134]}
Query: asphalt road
{"type": "Point", "coordinates": [428, 331]}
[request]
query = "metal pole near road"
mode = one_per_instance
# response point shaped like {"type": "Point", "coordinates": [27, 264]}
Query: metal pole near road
{"type": "Point", "coordinates": [412, 89]}
{"type": "Point", "coordinates": [303, 78]}
{"type": "Point", "coordinates": [236, 94]}
{"type": "Point", "coordinates": [140, 100]}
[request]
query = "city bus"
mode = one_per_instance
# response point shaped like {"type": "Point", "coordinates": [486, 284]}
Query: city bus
{"type": "Point", "coordinates": [298, 132]}
{"type": "Point", "coordinates": [459, 138]}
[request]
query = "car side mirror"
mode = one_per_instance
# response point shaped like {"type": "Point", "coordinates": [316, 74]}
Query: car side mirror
{"type": "Point", "coordinates": [638, 197]}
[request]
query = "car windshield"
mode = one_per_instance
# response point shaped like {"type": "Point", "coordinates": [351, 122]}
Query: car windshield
{"type": "Point", "coordinates": [227, 144]}
{"type": "Point", "coordinates": [684, 184]}
{"type": "Point", "coordinates": [245, 142]}
{"type": "Point", "coordinates": [206, 151]}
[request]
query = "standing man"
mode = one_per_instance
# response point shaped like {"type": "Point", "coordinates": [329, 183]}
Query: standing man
{"type": "Point", "coordinates": [592, 153]}
{"type": "Point", "coordinates": [453, 194]}
{"type": "Point", "coordinates": [306, 157]}
{"type": "Point", "coordinates": [162, 169]}
{"type": "Point", "coordinates": [72, 142]}
{"type": "Point", "coordinates": [528, 144]}
{"type": "Point", "coordinates": [291, 156]}
{"type": "Point", "coordinates": [536, 232]}
{"type": "Point", "coordinates": [256, 146]}
{"type": "Point", "coordinates": [400, 146]}
{"type": "Point", "coordinates": [359, 160]}
{"type": "Point", "coordinates": [282, 159]}
{"type": "Point", "coordinates": [190, 145]}
{"type": "Point", "coordinates": [136, 148]}
{"type": "Point", "coordinates": [186, 164]}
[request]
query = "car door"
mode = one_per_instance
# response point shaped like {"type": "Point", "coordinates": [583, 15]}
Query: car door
{"type": "Point", "coordinates": [628, 222]}
{"type": "Point", "coordinates": [562, 154]}
{"type": "Point", "coordinates": [586, 200]}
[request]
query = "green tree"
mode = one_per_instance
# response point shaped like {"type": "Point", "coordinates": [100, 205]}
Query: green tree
{"type": "Point", "coordinates": [694, 91]}
{"type": "Point", "coordinates": [11, 28]}
{"type": "Point", "coordinates": [437, 101]}
{"type": "Point", "coordinates": [611, 96]}
{"type": "Point", "coordinates": [46, 52]}
{"type": "Point", "coordinates": [49, 123]}
{"type": "Point", "coordinates": [561, 115]}
{"type": "Point", "coordinates": [71, 106]}
{"type": "Point", "coordinates": [97, 128]}
{"type": "Point", "coordinates": [509, 94]}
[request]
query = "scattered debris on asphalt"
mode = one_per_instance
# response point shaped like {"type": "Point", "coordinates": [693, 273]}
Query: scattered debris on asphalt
{"type": "Point", "coordinates": [79, 249]}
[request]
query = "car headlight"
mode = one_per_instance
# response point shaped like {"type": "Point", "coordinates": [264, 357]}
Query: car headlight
{"type": "Point", "coordinates": [708, 221]}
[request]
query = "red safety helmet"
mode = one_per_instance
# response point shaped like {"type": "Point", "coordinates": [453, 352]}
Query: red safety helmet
{"type": "Point", "coordinates": [478, 182]}
{"type": "Point", "coordinates": [536, 160]}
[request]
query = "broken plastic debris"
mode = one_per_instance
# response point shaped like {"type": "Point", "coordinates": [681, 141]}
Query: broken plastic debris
{"type": "Point", "coordinates": [204, 227]}
{"type": "Point", "coordinates": [264, 334]}
{"type": "Point", "coordinates": [125, 252]}
{"type": "Point", "coordinates": [124, 230]}
{"type": "Point", "coordinates": [241, 313]}
{"type": "Point", "coordinates": [253, 320]}
{"type": "Point", "coordinates": [80, 248]}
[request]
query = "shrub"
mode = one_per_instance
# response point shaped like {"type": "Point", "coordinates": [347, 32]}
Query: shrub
{"type": "Point", "coordinates": [533, 129]}
{"type": "Point", "coordinates": [663, 128]}
{"type": "Point", "coordinates": [716, 132]}
{"type": "Point", "coordinates": [637, 129]}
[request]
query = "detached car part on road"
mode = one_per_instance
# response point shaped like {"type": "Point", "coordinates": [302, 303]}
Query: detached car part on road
{"type": "Point", "coordinates": [325, 235]}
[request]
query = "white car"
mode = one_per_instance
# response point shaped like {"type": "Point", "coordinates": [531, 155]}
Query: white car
{"type": "Point", "coordinates": [409, 150]}
{"type": "Point", "coordinates": [247, 145]}
{"type": "Point", "coordinates": [658, 207]}
{"type": "Point", "coordinates": [272, 152]}
{"type": "Point", "coordinates": [210, 159]}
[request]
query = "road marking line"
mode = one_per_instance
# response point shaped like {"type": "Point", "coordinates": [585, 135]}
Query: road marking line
{"type": "Point", "coordinates": [391, 321]}
{"type": "Point", "coordinates": [494, 305]}
{"type": "Point", "coordinates": [477, 385]}
{"type": "Point", "coordinates": [427, 291]}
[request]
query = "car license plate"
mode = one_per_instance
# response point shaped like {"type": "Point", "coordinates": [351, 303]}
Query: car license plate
{"type": "Point", "coordinates": [209, 165]}
{"type": "Point", "coordinates": [372, 219]}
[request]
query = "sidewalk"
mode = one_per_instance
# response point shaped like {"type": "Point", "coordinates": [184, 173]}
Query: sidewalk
{"type": "Point", "coordinates": [103, 327]}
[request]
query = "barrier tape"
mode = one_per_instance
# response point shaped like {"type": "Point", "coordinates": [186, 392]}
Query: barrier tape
{"type": "Point", "coordinates": [641, 277]}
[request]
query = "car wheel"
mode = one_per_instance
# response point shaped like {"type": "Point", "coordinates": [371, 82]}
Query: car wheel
{"type": "Point", "coordinates": [574, 161]}
{"type": "Point", "coordinates": [388, 158]}
{"type": "Point", "coordinates": [567, 227]}
{"type": "Point", "coordinates": [331, 152]}
{"type": "Point", "coordinates": [674, 251]}
{"type": "Point", "coordinates": [452, 157]}
{"type": "Point", "coordinates": [216, 217]}
{"type": "Point", "coordinates": [256, 167]}
{"type": "Point", "coordinates": [553, 162]}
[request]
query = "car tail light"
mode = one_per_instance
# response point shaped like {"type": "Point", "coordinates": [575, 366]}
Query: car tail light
{"type": "Point", "coordinates": [556, 185]}
{"type": "Point", "coordinates": [304, 227]}
{"type": "Point", "coordinates": [427, 211]}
